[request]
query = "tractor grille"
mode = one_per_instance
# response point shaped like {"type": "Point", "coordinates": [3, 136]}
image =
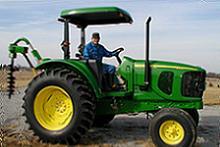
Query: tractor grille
{"type": "Point", "coordinates": [193, 84]}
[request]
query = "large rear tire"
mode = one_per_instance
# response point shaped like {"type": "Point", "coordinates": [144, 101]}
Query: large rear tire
{"type": "Point", "coordinates": [172, 127]}
{"type": "Point", "coordinates": [59, 106]}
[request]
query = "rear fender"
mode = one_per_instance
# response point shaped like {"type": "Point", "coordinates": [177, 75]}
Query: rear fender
{"type": "Point", "coordinates": [75, 65]}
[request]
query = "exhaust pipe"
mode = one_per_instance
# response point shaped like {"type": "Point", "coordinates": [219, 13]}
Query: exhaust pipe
{"type": "Point", "coordinates": [147, 66]}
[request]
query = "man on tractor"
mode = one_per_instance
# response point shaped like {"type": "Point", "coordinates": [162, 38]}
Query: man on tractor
{"type": "Point", "coordinates": [96, 51]}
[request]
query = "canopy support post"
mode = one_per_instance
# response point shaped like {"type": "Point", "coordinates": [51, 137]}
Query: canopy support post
{"type": "Point", "coordinates": [66, 44]}
{"type": "Point", "coordinates": [83, 37]}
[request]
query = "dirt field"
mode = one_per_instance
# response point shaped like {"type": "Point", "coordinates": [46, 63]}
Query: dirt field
{"type": "Point", "coordinates": [212, 93]}
{"type": "Point", "coordinates": [123, 131]}
{"type": "Point", "coordinates": [22, 79]}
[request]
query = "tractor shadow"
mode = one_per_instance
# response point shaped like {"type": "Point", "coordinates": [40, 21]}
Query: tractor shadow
{"type": "Point", "coordinates": [208, 131]}
{"type": "Point", "coordinates": [123, 129]}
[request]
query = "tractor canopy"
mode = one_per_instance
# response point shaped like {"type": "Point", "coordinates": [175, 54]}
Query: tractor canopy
{"type": "Point", "coordinates": [83, 17]}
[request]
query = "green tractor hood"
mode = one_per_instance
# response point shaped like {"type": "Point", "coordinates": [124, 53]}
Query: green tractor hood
{"type": "Point", "coordinates": [174, 65]}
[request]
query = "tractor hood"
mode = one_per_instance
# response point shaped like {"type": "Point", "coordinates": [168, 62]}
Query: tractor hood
{"type": "Point", "coordinates": [164, 76]}
{"type": "Point", "coordinates": [156, 64]}
{"type": "Point", "coordinates": [173, 65]}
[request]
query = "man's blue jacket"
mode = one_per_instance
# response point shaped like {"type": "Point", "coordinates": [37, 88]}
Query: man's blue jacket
{"type": "Point", "coordinates": [97, 52]}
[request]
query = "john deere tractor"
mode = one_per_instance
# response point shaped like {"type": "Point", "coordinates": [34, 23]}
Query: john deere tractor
{"type": "Point", "coordinates": [68, 96]}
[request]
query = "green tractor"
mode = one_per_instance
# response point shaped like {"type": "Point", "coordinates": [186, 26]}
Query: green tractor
{"type": "Point", "coordinates": [67, 96]}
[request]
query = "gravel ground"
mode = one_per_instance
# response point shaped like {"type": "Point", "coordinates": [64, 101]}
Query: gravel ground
{"type": "Point", "coordinates": [124, 130]}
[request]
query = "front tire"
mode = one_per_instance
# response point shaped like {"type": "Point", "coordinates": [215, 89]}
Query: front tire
{"type": "Point", "coordinates": [172, 127]}
{"type": "Point", "coordinates": [194, 114]}
{"type": "Point", "coordinates": [59, 106]}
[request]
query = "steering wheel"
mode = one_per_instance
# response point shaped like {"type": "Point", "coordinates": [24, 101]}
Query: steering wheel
{"type": "Point", "coordinates": [117, 52]}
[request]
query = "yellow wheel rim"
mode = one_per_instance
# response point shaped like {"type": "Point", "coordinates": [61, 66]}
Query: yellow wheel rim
{"type": "Point", "coordinates": [53, 108]}
{"type": "Point", "coordinates": [171, 132]}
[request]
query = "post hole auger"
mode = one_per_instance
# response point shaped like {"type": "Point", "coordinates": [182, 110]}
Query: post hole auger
{"type": "Point", "coordinates": [15, 49]}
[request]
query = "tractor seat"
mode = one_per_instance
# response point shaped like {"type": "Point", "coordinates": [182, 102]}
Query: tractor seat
{"type": "Point", "coordinates": [79, 54]}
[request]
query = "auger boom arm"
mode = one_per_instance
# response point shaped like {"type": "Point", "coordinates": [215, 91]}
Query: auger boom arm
{"type": "Point", "coordinates": [15, 49]}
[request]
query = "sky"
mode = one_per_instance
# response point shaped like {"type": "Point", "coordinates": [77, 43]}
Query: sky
{"type": "Point", "coordinates": [184, 31]}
